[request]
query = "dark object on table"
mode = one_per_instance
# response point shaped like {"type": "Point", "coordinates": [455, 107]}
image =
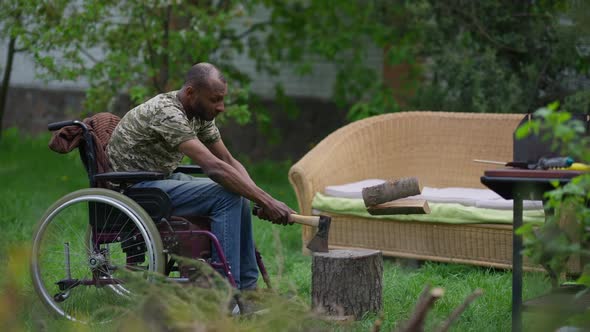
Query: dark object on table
{"type": "Point", "coordinates": [534, 147]}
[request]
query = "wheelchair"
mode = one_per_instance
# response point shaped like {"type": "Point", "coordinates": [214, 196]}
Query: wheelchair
{"type": "Point", "coordinates": [90, 242]}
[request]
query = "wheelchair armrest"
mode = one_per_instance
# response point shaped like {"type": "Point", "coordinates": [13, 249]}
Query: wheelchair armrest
{"type": "Point", "coordinates": [129, 177]}
{"type": "Point", "coordinates": [189, 169]}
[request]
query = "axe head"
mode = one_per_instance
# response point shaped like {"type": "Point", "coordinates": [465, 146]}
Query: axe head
{"type": "Point", "coordinates": [319, 243]}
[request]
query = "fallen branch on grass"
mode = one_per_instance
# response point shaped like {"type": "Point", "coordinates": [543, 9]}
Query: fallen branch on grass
{"type": "Point", "coordinates": [423, 306]}
{"type": "Point", "coordinates": [425, 302]}
{"type": "Point", "coordinates": [459, 310]}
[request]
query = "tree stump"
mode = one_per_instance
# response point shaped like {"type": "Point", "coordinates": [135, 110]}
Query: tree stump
{"type": "Point", "coordinates": [347, 282]}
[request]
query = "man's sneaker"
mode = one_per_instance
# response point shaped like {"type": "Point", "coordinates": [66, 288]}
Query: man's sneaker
{"type": "Point", "coordinates": [251, 308]}
{"type": "Point", "coordinates": [234, 309]}
{"type": "Point", "coordinates": [252, 302]}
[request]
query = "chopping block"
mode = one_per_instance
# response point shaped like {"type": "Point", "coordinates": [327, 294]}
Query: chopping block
{"type": "Point", "coordinates": [347, 283]}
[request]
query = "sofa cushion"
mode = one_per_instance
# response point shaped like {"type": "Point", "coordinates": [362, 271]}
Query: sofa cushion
{"type": "Point", "coordinates": [483, 198]}
{"type": "Point", "coordinates": [452, 213]}
{"type": "Point", "coordinates": [351, 190]}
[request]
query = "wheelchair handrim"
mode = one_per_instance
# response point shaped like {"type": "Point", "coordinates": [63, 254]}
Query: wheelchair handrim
{"type": "Point", "coordinates": [123, 207]}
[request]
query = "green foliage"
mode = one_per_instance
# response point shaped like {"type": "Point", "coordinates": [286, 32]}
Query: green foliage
{"type": "Point", "coordinates": [579, 102]}
{"type": "Point", "coordinates": [559, 130]}
{"type": "Point", "coordinates": [342, 33]}
{"type": "Point", "coordinates": [383, 102]}
{"type": "Point", "coordinates": [465, 56]}
{"type": "Point", "coordinates": [502, 56]}
{"type": "Point", "coordinates": [566, 229]}
{"type": "Point", "coordinates": [473, 56]}
{"type": "Point", "coordinates": [142, 48]}
{"type": "Point", "coordinates": [206, 304]}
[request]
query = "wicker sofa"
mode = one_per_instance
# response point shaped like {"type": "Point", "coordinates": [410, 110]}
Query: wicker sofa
{"type": "Point", "coordinates": [438, 148]}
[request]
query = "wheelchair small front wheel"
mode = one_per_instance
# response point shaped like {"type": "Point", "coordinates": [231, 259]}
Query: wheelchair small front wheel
{"type": "Point", "coordinates": [92, 249]}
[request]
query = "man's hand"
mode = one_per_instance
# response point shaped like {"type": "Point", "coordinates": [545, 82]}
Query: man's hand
{"type": "Point", "coordinates": [276, 212]}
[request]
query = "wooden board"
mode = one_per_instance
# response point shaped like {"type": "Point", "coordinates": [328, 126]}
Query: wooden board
{"type": "Point", "coordinates": [528, 173]}
{"type": "Point", "coordinates": [401, 206]}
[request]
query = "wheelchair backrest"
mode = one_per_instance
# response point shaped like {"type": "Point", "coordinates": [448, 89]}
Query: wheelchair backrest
{"type": "Point", "coordinates": [90, 137]}
{"type": "Point", "coordinates": [87, 151]}
{"type": "Point", "coordinates": [99, 127]}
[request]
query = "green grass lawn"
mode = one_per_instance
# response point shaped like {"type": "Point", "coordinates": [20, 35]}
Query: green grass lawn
{"type": "Point", "coordinates": [32, 177]}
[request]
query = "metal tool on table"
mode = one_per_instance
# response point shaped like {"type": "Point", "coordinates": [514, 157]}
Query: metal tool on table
{"type": "Point", "coordinates": [563, 163]}
{"type": "Point", "coordinates": [319, 243]}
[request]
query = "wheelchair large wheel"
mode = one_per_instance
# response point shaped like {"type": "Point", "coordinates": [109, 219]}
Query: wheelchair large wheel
{"type": "Point", "coordinates": [91, 250]}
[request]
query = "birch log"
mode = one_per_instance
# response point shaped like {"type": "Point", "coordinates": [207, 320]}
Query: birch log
{"type": "Point", "coordinates": [391, 190]}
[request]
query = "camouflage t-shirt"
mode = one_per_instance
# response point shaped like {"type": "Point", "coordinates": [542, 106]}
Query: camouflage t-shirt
{"type": "Point", "coordinates": [148, 136]}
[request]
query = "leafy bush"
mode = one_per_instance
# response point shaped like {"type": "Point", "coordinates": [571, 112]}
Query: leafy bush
{"type": "Point", "coordinates": [502, 56]}
{"type": "Point", "coordinates": [566, 231]}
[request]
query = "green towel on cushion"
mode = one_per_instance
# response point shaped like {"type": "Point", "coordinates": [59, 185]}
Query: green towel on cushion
{"type": "Point", "coordinates": [439, 212]}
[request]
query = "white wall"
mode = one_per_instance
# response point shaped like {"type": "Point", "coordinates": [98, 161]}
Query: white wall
{"type": "Point", "coordinates": [24, 73]}
{"type": "Point", "coordinates": [319, 83]}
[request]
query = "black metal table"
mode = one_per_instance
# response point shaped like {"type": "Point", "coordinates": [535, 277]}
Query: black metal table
{"type": "Point", "coordinates": [519, 185]}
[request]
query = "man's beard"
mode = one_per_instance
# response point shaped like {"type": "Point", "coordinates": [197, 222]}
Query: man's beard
{"type": "Point", "coordinates": [201, 112]}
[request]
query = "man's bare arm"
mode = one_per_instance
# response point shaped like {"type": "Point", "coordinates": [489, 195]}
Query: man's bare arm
{"type": "Point", "coordinates": [235, 179]}
{"type": "Point", "coordinates": [219, 149]}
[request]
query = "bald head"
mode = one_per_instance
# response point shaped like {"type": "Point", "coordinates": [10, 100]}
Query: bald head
{"type": "Point", "coordinates": [203, 92]}
{"type": "Point", "coordinates": [201, 74]}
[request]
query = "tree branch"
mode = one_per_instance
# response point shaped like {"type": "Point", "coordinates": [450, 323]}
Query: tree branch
{"type": "Point", "coordinates": [252, 28]}
{"type": "Point", "coordinates": [87, 54]}
{"type": "Point", "coordinates": [459, 310]}
{"type": "Point", "coordinates": [163, 79]}
{"type": "Point", "coordinates": [378, 323]}
{"type": "Point", "coordinates": [473, 21]}
{"type": "Point", "coordinates": [151, 53]}
{"type": "Point", "coordinates": [425, 302]}
{"type": "Point", "coordinates": [6, 77]}
{"type": "Point", "coordinates": [540, 77]}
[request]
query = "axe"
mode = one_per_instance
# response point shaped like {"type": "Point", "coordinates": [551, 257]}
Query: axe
{"type": "Point", "coordinates": [319, 243]}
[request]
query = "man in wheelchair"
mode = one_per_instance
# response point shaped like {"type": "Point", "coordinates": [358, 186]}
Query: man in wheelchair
{"type": "Point", "coordinates": [156, 135]}
{"type": "Point", "coordinates": [143, 218]}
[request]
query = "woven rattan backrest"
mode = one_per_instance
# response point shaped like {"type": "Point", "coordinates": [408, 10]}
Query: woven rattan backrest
{"type": "Point", "coordinates": [437, 147]}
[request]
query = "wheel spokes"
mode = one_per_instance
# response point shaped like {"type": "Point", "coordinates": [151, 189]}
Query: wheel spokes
{"type": "Point", "coordinates": [81, 263]}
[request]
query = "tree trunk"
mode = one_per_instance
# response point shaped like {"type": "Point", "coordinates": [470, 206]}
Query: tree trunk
{"type": "Point", "coordinates": [347, 282]}
{"type": "Point", "coordinates": [6, 79]}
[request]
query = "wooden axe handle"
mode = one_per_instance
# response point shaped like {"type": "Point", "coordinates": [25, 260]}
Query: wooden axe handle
{"type": "Point", "coordinates": [306, 220]}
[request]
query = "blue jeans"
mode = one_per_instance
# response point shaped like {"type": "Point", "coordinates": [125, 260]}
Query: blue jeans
{"type": "Point", "coordinates": [230, 214]}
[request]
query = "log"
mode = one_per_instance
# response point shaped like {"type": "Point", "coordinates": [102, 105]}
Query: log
{"type": "Point", "coordinates": [400, 206]}
{"type": "Point", "coordinates": [347, 282]}
{"type": "Point", "coordinates": [391, 190]}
